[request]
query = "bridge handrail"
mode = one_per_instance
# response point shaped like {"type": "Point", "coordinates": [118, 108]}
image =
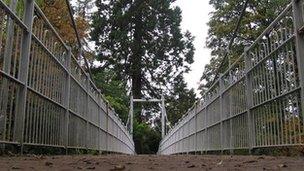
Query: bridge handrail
{"type": "Point", "coordinates": [253, 86]}
{"type": "Point", "coordinates": [57, 104]}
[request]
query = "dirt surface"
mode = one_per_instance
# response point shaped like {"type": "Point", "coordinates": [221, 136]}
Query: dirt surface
{"type": "Point", "coordinates": [151, 162]}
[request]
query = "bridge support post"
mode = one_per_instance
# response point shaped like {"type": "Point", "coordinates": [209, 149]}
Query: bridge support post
{"type": "Point", "coordinates": [299, 28]}
{"type": "Point", "coordinates": [67, 101]}
{"type": "Point", "coordinates": [23, 76]}
{"type": "Point", "coordinates": [163, 116]}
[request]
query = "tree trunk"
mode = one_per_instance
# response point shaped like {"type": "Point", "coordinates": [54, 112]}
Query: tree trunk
{"type": "Point", "coordinates": [136, 60]}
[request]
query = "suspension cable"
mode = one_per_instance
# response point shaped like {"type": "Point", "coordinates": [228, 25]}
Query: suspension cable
{"type": "Point", "coordinates": [71, 13]}
{"type": "Point", "coordinates": [236, 30]}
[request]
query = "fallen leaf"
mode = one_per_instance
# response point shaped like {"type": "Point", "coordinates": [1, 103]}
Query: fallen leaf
{"type": "Point", "coordinates": [282, 165]}
{"type": "Point", "coordinates": [220, 163]}
{"type": "Point", "coordinates": [191, 166]}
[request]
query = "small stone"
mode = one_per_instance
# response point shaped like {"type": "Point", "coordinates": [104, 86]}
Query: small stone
{"type": "Point", "coordinates": [186, 161]}
{"type": "Point", "coordinates": [118, 167]}
{"type": "Point", "coordinates": [48, 163]}
{"type": "Point", "coordinates": [79, 168]}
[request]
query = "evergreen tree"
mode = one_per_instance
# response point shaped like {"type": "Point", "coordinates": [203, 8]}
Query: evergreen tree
{"type": "Point", "coordinates": [142, 41]}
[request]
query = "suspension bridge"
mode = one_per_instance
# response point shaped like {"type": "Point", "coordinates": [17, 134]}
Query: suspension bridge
{"type": "Point", "coordinates": [47, 99]}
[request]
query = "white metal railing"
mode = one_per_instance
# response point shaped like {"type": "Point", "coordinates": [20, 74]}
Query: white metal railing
{"type": "Point", "coordinates": [257, 102]}
{"type": "Point", "coordinates": [46, 98]}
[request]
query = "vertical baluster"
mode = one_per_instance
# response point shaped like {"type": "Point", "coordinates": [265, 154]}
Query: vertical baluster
{"type": "Point", "coordinates": [23, 76]}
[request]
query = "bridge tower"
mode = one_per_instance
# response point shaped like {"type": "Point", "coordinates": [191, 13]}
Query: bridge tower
{"type": "Point", "coordinates": [162, 107]}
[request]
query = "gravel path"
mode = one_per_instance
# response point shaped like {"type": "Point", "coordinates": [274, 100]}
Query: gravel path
{"type": "Point", "coordinates": [151, 162]}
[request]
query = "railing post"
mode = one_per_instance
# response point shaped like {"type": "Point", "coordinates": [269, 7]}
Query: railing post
{"type": "Point", "coordinates": [231, 151]}
{"type": "Point", "coordinates": [249, 100]}
{"type": "Point", "coordinates": [195, 127]}
{"type": "Point", "coordinates": [23, 75]}
{"type": "Point", "coordinates": [67, 99]}
{"type": "Point", "coordinates": [221, 111]}
{"type": "Point", "coordinates": [107, 127]}
{"type": "Point", "coordinates": [207, 130]}
{"type": "Point", "coordinates": [131, 114]}
{"type": "Point", "coordinates": [99, 120]}
{"type": "Point", "coordinates": [299, 26]}
{"type": "Point", "coordinates": [87, 111]}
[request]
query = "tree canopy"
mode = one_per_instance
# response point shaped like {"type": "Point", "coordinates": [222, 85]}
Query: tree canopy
{"type": "Point", "coordinates": [143, 42]}
{"type": "Point", "coordinates": [258, 15]}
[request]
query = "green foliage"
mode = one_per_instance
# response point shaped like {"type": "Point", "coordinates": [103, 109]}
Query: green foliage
{"type": "Point", "coordinates": [259, 14]}
{"type": "Point", "coordinates": [180, 101]}
{"type": "Point", "coordinates": [113, 89]}
{"type": "Point", "coordinates": [146, 139]}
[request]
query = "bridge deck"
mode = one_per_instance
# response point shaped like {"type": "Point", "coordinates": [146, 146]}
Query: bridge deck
{"type": "Point", "coordinates": [152, 162]}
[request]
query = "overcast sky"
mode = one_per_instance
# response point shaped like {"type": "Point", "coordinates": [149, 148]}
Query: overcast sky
{"type": "Point", "coordinates": [195, 17]}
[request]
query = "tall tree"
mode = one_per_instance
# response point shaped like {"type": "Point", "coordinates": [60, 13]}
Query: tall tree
{"type": "Point", "coordinates": [259, 14]}
{"type": "Point", "coordinates": [142, 41]}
